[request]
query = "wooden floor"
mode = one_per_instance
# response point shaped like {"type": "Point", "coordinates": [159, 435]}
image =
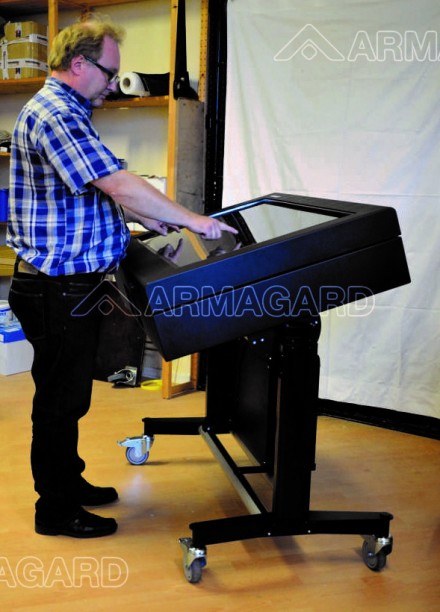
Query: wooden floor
{"type": "Point", "coordinates": [140, 567]}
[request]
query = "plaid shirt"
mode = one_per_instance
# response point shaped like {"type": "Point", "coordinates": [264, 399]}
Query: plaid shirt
{"type": "Point", "coordinates": [58, 221]}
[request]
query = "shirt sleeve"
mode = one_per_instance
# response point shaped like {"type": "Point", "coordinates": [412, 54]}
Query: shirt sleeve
{"type": "Point", "coordinates": [74, 150]}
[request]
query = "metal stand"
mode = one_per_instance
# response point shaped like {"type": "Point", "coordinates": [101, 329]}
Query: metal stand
{"type": "Point", "coordinates": [286, 449]}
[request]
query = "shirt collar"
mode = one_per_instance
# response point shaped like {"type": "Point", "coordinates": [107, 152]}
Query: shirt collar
{"type": "Point", "coordinates": [79, 99]}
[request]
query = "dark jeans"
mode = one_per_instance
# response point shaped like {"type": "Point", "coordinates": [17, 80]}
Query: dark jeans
{"type": "Point", "coordinates": [64, 354]}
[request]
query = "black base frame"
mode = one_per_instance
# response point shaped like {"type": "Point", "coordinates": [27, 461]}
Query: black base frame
{"type": "Point", "coordinates": [288, 455]}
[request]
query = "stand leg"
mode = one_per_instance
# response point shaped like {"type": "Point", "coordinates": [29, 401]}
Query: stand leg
{"type": "Point", "coordinates": [296, 418]}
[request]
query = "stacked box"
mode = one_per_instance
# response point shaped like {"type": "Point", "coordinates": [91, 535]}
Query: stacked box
{"type": "Point", "coordinates": [16, 353]}
{"type": "Point", "coordinates": [22, 29]}
{"type": "Point", "coordinates": [24, 50]}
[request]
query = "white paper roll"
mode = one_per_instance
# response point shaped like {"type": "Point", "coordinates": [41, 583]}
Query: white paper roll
{"type": "Point", "coordinates": [131, 85]}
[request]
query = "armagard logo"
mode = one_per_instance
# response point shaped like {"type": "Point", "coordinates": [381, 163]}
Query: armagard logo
{"type": "Point", "coordinates": [309, 42]}
{"type": "Point", "coordinates": [205, 302]}
{"type": "Point", "coordinates": [106, 297]}
{"type": "Point", "coordinates": [380, 46]}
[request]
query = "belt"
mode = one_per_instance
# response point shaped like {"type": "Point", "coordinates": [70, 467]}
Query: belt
{"type": "Point", "coordinates": [24, 267]}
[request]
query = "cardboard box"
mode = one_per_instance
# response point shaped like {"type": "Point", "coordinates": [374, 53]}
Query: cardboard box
{"type": "Point", "coordinates": [25, 57]}
{"type": "Point", "coordinates": [32, 47]}
{"type": "Point", "coordinates": [24, 50]}
{"type": "Point", "coordinates": [22, 29]}
{"type": "Point", "coordinates": [25, 69]}
{"type": "Point", "coordinates": [7, 261]}
{"type": "Point", "coordinates": [16, 353]}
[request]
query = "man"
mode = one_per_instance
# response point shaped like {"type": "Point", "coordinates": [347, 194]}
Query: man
{"type": "Point", "coordinates": [68, 195]}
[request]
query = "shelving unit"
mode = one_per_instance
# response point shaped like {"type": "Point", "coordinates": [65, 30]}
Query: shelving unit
{"type": "Point", "coordinates": [32, 85]}
{"type": "Point", "coordinates": [185, 117]}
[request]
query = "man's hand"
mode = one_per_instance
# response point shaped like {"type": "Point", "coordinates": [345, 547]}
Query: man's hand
{"type": "Point", "coordinates": [160, 227]}
{"type": "Point", "coordinates": [209, 228]}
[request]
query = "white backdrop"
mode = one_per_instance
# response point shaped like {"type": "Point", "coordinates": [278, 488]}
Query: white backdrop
{"type": "Point", "coordinates": [341, 99]}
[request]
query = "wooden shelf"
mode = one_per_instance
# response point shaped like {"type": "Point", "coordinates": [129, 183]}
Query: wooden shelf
{"type": "Point", "coordinates": [4, 154]}
{"type": "Point", "coordinates": [13, 8]}
{"type": "Point", "coordinates": [21, 86]}
{"type": "Point", "coordinates": [29, 86]}
{"type": "Point", "coordinates": [150, 101]}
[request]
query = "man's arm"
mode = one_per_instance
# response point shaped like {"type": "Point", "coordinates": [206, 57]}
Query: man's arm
{"type": "Point", "coordinates": [152, 224]}
{"type": "Point", "coordinates": [145, 201]}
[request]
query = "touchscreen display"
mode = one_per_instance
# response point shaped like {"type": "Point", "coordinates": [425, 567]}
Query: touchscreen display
{"type": "Point", "coordinates": [256, 223]}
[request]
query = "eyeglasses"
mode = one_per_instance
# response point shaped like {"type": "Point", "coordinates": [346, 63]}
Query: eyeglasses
{"type": "Point", "coordinates": [112, 77]}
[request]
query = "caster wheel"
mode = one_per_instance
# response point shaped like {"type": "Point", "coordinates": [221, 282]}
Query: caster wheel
{"type": "Point", "coordinates": [134, 457]}
{"type": "Point", "coordinates": [193, 572]}
{"type": "Point", "coordinates": [374, 561]}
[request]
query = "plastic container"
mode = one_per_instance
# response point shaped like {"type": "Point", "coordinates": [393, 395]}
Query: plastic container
{"type": "Point", "coordinates": [6, 316]}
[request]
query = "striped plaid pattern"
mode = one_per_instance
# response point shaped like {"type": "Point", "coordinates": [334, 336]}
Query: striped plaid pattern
{"type": "Point", "coordinates": [58, 220]}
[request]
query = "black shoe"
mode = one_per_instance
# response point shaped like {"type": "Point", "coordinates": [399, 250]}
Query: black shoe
{"type": "Point", "coordinates": [97, 496]}
{"type": "Point", "coordinates": [82, 525]}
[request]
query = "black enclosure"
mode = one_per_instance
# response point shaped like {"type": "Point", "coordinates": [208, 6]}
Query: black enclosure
{"type": "Point", "coordinates": [293, 256]}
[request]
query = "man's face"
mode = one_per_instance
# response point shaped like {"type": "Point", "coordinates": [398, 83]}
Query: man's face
{"type": "Point", "coordinates": [97, 86]}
